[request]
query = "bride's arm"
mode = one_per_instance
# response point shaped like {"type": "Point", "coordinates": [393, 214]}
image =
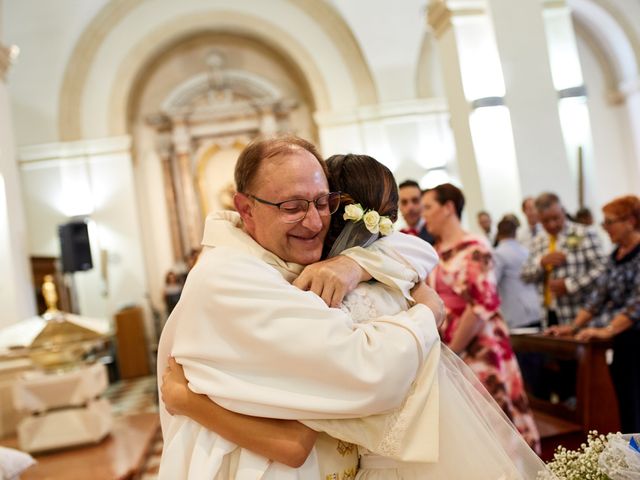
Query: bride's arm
{"type": "Point", "coordinates": [284, 441]}
{"type": "Point", "coordinates": [398, 260]}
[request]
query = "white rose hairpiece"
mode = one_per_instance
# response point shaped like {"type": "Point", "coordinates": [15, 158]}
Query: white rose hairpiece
{"type": "Point", "coordinates": [373, 221]}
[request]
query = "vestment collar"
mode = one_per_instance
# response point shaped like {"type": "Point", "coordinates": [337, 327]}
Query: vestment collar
{"type": "Point", "coordinates": [224, 229]}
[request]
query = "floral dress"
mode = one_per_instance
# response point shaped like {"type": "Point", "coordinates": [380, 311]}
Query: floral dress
{"type": "Point", "coordinates": [465, 277]}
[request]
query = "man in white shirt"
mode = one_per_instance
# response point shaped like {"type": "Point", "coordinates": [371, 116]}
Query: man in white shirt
{"type": "Point", "coordinates": [520, 302]}
{"type": "Point", "coordinates": [257, 345]}
{"type": "Point", "coordinates": [526, 233]}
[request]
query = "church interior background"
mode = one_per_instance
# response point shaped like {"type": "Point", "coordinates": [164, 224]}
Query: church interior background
{"type": "Point", "coordinates": [129, 115]}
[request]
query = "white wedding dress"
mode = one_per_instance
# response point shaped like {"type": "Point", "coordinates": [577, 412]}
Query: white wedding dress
{"type": "Point", "coordinates": [449, 427]}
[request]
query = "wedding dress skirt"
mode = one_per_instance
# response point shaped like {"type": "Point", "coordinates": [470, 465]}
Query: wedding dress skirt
{"type": "Point", "coordinates": [476, 439]}
{"type": "Point", "coordinates": [448, 428]}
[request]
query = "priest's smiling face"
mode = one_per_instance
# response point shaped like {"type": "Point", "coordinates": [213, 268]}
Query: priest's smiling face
{"type": "Point", "coordinates": [294, 174]}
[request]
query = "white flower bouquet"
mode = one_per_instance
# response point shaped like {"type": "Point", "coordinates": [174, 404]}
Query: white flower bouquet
{"type": "Point", "coordinates": [611, 457]}
{"type": "Point", "coordinates": [620, 459]}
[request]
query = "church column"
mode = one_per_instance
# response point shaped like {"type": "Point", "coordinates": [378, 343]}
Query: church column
{"type": "Point", "coordinates": [164, 152]}
{"type": "Point", "coordinates": [474, 89]}
{"type": "Point", "coordinates": [16, 288]}
{"type": "Point", "coordinates": [190, 212]}
{"type": "Point", "coordinates": [532, 83]}
{"type": "Point", "coordinates": [631, 92]}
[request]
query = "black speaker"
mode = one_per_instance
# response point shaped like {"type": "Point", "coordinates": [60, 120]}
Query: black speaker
{"type": "Point", "coordinates": [74, 247]}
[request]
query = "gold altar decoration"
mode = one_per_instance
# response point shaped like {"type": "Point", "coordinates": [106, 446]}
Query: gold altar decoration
{"type": "Point", "coordinates": [63, 342]}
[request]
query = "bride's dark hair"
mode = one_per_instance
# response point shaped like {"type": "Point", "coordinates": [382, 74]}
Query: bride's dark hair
{"type": "Point", "coordinates": [364, 180]}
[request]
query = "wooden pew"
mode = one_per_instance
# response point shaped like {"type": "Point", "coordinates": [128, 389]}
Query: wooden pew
{"type": "Point", "coordinates": [596, 405]}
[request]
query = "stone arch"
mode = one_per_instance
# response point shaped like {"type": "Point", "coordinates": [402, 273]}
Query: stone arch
{"type": "Point", "coordinates": [612, 41]}
{"type": "Point", "coordinates": [347, 71]}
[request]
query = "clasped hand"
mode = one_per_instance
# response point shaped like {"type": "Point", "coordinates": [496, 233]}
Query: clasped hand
{"type": "Point", "coordinates": [332, 279]}
{"type": "Point", "coordinates": [175, 390]}
{"type": "Point", "coordinates": [554, 259]}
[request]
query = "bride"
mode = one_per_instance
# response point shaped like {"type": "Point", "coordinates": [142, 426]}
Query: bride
{"type": "Point", "coordinates": [448, 427]}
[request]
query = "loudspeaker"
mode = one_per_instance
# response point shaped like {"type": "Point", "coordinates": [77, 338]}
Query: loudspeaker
{"type": "Point", "coordinates": [74, 247]}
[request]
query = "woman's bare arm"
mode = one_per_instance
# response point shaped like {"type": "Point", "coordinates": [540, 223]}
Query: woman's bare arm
{"type": "Point", "coordinates": [469, 326]}
{"type": "Point", "coordinates": [284, 441]}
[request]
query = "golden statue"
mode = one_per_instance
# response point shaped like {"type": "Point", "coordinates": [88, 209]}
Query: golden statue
{"type": "Point", "coordinates": [50, 295]}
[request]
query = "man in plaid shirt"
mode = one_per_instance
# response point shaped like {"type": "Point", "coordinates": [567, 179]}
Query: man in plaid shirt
{"type": "Point", "coordinates": [565, 260]}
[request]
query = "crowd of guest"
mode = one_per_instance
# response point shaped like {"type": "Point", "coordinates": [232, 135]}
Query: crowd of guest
{"type": "Point", "coordinates": [175, 278]}
{"type": "Point", "coordinates": [550, 273]}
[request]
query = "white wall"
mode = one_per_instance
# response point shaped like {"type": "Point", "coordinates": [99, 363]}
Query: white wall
{"type": "Point", "coordinates": [94, 180]}
{"type": "Point", "coordinates": [611, 173]}
{"type": "Point", "coordinates": [390, 38]}
{"type": "Point", "coordinates": [46, 33]}
{"type": "Point", "coordinates": [16, 290]}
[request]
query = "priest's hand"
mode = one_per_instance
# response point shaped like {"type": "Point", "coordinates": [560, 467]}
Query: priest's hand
{"type": "Point", "coordinates": [332, 279]}
{"type": "Point", "coordinates": [175, 390]}
{"type": "Point", "coordinates": [427, 296]}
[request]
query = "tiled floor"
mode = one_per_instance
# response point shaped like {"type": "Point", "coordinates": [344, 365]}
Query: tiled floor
{"type": "Point", "coordinates": [138, 395]}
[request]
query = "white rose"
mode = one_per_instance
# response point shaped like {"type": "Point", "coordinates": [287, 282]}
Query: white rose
{"type": "Point", "coordinates": [371, 220]}
{"type": "Point", "coordinates": [386, 226]}
{"type": "Point", "coordinates": [353, 212]}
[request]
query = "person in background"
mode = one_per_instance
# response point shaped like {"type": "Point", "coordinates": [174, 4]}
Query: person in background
{"type": "Point", "coordinates": [527, 233]}
{"type": "Point", "coordinates": [474, 328]}
{"type": "Point", "coordinates": [411, 210]}
{"type": "Point", "coordinates": [564, 261]}
{"type": "Point", "coordinates": [485, 223]}
{"type": "Point", "coordinates": [172, 291]}
{"type": "Point", "coordinates": [584, 216]}
{"type": "Point", "coordinates": [520, 302]}
{"type": "Point", "coordinates": [616, 297]}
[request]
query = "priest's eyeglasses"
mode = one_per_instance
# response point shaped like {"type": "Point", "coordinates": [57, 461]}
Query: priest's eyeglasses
{"type": "Point", "coordinates": [294, 211]}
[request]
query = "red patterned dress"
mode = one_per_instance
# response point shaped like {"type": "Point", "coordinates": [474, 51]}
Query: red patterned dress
{"type": "Point", "coordinates": [465, 277]}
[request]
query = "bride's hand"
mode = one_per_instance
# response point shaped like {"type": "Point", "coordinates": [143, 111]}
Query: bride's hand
{"type": "Point", "coordinates": [175, 390]}
{"type": "Point", "coordinates": [427, 296]}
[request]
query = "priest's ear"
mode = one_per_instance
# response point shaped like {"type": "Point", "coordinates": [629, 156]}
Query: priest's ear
{"type": "Point", "coordinates": [244, 206]}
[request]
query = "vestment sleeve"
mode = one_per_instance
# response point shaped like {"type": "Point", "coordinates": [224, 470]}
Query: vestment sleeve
{"type": "Point", "coordinates": [259, 346]}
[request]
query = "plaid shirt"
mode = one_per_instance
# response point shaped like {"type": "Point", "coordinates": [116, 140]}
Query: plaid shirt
{"type": "Point", "coordinates": [585, 263]}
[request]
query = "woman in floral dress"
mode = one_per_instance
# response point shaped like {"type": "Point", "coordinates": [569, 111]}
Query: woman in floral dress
{"type": "Point", "coordinates": [474, 329]}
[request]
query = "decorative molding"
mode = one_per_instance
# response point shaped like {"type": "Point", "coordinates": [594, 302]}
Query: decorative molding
{"type": "Point", "coordinates": [440, 13]}
{"type": "Point", "coordinates": [5, 61]}
{"type": "Point", "coordinates": [96, 33]}
{"type": "Point", "coordinates": [625, 90]}
{"type": "Point", "coordinates": [390, 110]}
{"type": "Point", "coordinates": [553, 4]}
{"type": "Point", "coordinates": [237, 80]}
{"type": "Point", "coordinates": [78, 150]}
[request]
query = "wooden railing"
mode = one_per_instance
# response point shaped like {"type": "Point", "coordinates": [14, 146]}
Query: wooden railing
{"type": "Point", "coordinates": [596, 404]}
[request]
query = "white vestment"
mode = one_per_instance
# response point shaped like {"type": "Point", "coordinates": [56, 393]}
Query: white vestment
{"type": "Point", "coordinates": [257, 345]}
{"type": "Point", "coordinates": [448, 427]}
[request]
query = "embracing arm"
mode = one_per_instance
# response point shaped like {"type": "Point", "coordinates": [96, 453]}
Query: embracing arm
{"type": "Point", "coordinates": [398, 260]}
{"type": "Point", "coordinates": [259, 346]}
{"type": "Point", "coordinates": [284, 441]}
